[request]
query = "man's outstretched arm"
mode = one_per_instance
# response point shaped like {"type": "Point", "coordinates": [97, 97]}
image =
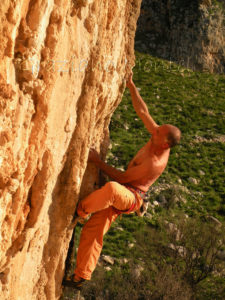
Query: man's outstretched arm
{"type": "Point", "coordinates": [140, 106]}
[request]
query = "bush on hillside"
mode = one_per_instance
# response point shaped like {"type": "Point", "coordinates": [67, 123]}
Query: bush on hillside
{"type": "Point", "coordinates": [177, 257]}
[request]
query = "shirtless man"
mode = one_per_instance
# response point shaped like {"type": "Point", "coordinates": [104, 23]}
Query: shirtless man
{"type": "Point", "coordinates": [125, 193]}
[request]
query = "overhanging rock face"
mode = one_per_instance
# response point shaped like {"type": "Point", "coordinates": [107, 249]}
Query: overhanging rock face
{"type": "Point", "coordinates": [62, 69]}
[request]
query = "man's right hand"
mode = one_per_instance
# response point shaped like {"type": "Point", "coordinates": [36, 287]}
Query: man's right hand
{"type": "Point", "coordinates": [93, 156]}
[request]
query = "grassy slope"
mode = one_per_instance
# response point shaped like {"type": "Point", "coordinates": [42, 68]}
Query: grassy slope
{"type": "Point", "coordinates": [195, 103]}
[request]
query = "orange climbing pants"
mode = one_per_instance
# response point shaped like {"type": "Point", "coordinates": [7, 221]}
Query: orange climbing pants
{"type": "Point", "coordinates": [104, 204]}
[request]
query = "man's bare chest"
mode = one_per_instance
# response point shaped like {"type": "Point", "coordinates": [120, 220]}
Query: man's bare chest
{"type": "Point", "coordinates": [145, 158]}
{"type": "Point", "coordinates": [140, 157]}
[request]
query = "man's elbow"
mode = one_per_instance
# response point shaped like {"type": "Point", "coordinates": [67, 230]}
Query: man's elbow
{"type": "Point", "coordinates": [143, 114]}
{"type": "Point", "coordinates": [154, 127]}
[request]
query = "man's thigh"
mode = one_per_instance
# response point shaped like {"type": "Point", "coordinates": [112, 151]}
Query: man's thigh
{"type": "Point", "coordinates": [122, 197]}
{"type": "Point", "coordinates": [111, 194]}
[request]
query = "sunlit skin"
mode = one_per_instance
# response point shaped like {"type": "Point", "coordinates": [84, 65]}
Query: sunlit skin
{"type": "Point", "coordinates": [151, 160]}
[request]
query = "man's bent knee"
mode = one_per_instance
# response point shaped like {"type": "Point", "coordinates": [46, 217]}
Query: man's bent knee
{"type": "Point", "coordinates": [112, 186]}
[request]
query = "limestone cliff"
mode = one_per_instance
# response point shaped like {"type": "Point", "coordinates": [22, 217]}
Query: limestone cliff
{"type": "Point", "coordinates": [62, 72]}
{"type": "Point", "coordinates": [191, 33]}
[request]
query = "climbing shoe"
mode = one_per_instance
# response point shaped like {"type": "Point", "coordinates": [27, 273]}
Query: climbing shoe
{"type": "Point", "coordinates": [71, 282]}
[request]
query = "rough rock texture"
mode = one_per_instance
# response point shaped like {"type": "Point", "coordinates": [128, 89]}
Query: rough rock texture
{"type": "Point", "coordinates": [191, 33]}
{"type": "Point", "coordinates": [62, 72]}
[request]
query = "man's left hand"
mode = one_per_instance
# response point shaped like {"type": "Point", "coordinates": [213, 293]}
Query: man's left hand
{"type": "Point", "coordinates": [93, 156]}
{"type": "Point", "coordinates": [130, 80]}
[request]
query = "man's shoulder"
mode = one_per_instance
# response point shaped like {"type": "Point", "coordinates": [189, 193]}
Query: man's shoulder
{"type": "Point", "coordinates": [148, 143]}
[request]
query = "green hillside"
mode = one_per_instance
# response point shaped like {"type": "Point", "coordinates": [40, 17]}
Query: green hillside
{"type": "Point", "coordinates": [192, 101]}
{"type": "Point", "coordinates": [192, 187]}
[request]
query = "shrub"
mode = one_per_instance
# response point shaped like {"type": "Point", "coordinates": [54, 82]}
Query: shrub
{"type": "Point", "coordinates": [179, 260]}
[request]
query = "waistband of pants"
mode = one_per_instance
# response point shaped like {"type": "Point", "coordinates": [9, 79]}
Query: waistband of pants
{"type": "Point", "coordinates": [140, 192]}
{"type": "Point", "coordinates": [134, 190]}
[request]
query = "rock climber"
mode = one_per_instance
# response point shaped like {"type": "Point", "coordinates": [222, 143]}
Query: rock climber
{"type": "Point", "coordinates": [125, 193]}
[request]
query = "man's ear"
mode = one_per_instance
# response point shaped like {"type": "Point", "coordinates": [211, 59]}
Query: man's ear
{"type": "Point", "coordinates": [165, 146]}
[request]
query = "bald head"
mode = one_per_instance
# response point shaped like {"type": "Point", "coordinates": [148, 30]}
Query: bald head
{"type": "Point", "coordinates": [166, 136]}
{"type": "Point", "coordinates": [173, 135]}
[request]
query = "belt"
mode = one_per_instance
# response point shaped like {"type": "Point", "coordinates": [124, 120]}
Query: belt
{"type": "Point", "coordinates": [140, 192]}
{"type": "Point", "coordinates": [133, 190]}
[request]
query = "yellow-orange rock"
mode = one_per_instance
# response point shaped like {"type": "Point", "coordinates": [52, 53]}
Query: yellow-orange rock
{"type": "Point", "coordinates": [62, 69]}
